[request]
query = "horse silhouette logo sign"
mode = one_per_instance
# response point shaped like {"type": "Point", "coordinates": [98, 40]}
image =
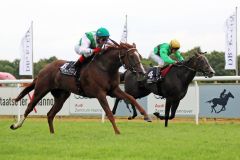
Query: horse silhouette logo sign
{"type": "Point", "coordinates": [221, 101]}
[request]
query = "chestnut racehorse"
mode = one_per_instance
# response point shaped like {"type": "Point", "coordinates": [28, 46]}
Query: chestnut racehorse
{"type": "Point", "coordinates": [98, 78]}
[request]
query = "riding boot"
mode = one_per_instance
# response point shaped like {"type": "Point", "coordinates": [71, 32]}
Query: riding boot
{"type": "Point", "coordinates": [157, 77]}
{"type": "Point", "coordinates": [158, 74]}
{"type": "Point", "coordinates": [77, 65]}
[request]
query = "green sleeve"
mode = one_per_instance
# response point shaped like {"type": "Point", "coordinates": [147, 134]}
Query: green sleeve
{"type": "Point", "coordinates": [179, 56]}
{"type": "Point", "coordinates": [165, 57]}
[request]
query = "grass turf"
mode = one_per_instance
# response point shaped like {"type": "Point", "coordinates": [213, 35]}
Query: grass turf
{"type": "Point", "coordinates": [138, 140]}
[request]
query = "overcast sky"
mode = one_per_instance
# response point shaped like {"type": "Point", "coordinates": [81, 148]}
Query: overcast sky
{"type": "Point", "coordinates": [59, 24]}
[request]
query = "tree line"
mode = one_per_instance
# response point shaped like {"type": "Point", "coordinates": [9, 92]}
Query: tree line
{"type": "Point", "coordinates": [215, 58]}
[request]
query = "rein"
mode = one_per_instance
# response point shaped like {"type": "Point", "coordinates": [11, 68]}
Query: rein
{"type": "Point", "coordinates": [182, 65]}
{"type": "Point", "coordinates": [192, 69]}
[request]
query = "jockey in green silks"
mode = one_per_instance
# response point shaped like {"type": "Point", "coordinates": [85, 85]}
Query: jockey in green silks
{"type": "Point", "coordinates": [161, 53]}
{"type": "Point", "coordinates": [91, 43]}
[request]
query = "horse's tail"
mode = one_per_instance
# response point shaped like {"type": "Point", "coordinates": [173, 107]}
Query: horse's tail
{"type": "Point", "coordinates": [210, 101]}
{"type": "Point", "coordinates": [26, 90]}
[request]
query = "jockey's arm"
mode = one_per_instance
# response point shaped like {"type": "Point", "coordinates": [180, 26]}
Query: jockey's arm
{"type": "Point", "coordinates": [83, 48]}
{"type": "Point", "coordinates": [165, 57]}
{"type": "Point", "coordinates": [179, 56]}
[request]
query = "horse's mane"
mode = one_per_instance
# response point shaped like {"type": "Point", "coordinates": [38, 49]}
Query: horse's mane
{"type": "Point", "coordinates": [127, 45]}
{"type": "Point", "coordinates": [110, 46]}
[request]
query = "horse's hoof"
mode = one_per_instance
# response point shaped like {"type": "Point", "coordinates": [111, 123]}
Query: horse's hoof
{"type": "Point", "coordinates": [156, 114]}
{"type": "Point", "coordinates": [161, 117]}
{"type": "Point", "coordinates": [129, 118]}
{"type": "Point", "coordinates": [134, 117]}
{"type": "Point", "coordinates": [12, 127]}
{"type": "Point", "coordinates": [147, 119]}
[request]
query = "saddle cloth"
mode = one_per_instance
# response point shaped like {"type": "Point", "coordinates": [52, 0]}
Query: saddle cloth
{"type": "Point", "coordinates": [68, 68]}
{"type": "Point", "coordinates": [154, 72]}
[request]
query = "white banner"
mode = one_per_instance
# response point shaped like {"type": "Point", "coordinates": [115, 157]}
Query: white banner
{"type": "Point", "coordinates": [83, 105]}
{"type": "Point", "coordinates": [187, 105]}
{"type": "Point", "coordinates": [230, 53]}
{"type": "Point", "coordinates": [9, 107]}
{"type": "Point", "coordinates": [124, 34]}
{"type": "Point", "coordinates": [26, 61]}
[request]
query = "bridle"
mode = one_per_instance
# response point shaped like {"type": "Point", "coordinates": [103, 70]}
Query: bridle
{"type": "Point", "coordinates": [122, 55]}
{"type": "Point", "coordinates": [131, 65]}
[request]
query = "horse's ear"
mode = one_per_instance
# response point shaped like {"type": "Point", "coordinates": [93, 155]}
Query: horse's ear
{"type": "Point", "coordinates": [134, 45]}
{"type": "Point", "coordinates": [202, 53]}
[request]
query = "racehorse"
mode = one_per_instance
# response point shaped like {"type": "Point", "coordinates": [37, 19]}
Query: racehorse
{"type": "Point", "coordinates": [173, 87]}
{"type": "Point", "coordinates": [220, 101]}
{"type": "Point", "coordinates": [98, 78]}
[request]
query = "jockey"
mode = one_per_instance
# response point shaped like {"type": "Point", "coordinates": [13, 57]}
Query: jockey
{"type": "Point", "coordinates": [222, 95]}
{"type": "Point", "coordinates": [161, 54]}
{"type": "Point", "coordinates": [90, 43]}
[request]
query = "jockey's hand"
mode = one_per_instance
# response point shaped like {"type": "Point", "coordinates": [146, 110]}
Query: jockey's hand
{"type": "Point", "coordinates": [96, 50]}
{"type": "Point", "coordinates": [179, 62]}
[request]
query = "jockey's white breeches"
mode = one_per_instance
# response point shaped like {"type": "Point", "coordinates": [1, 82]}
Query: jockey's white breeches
{"type": "Point", "coordinates": [157, 59]}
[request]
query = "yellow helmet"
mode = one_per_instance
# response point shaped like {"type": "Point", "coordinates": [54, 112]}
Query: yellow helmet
{"type": "Point", "coordinates": [174, 44]}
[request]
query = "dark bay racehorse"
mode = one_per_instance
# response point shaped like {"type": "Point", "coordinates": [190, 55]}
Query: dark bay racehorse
{"type": "Point", "coordinates": [98, 79]}
{"type": "Point", "coordinates": [173, 87]}
{"type": "Point", "coordinates": [220, 101]}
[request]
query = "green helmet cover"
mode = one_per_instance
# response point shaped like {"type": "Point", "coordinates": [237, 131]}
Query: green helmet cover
{"type": "Point", "coordinates": [102, 32]}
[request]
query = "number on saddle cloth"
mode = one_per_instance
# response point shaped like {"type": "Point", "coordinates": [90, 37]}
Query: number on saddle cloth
{"type": "Point", "coordinates": [68, 68]}
{"type": "Point", "coordinates": [153, 72]}
{"type": "Point", "coordinates": [156, 74]}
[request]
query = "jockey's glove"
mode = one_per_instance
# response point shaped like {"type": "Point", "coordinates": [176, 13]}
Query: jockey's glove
{"type": "Point", "coordinates": [179, 62]}
{"type": "Point", "coordinates": [96, 50]}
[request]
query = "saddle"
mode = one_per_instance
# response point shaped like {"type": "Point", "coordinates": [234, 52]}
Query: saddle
{"type": "Point", "coordinates": [68, 69]}
{"type": "Point", "coordinates": [157, 74]}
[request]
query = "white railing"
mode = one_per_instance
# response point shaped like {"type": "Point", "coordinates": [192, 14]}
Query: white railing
{"type": "Point", "coordinates": [218, 78]}
{"type": "Point", "coordinates": [17, 81]}
{"type": "Point", "coordinates": [215, 78]}
{"type": "Point", "coordinates": [195, 80]}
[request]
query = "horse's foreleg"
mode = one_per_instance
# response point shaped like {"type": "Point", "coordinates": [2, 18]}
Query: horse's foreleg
{"type": "Point", "coordinates": [122, 95]}
{"type": "Point", "coordinates": [103, 101]}
{"type": "Point", "coordinates": [167, 110]}
{"type": "Point", "coordinates": [174, 107]}
{"type": "Point", "coordinates": [115, 106]}
{"type": "Point", "coordinates": [59, 98]}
